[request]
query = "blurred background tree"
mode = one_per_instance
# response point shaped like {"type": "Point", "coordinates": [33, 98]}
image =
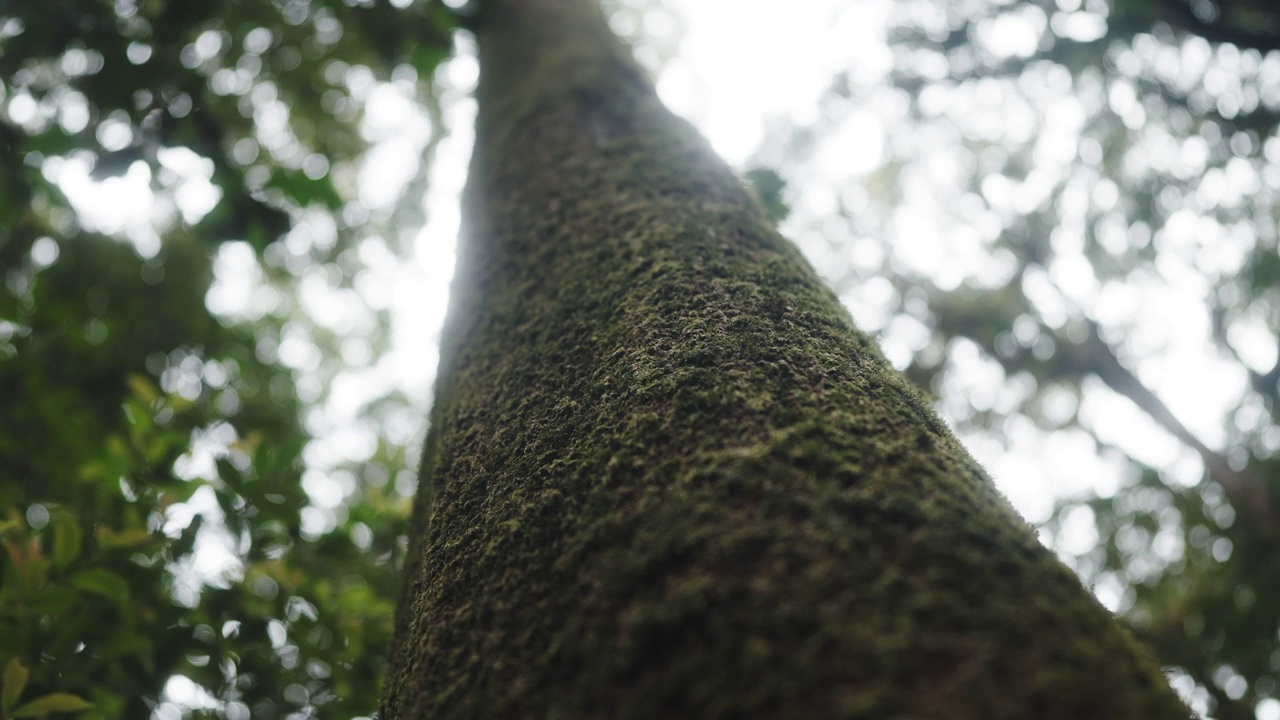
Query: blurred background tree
{"type": "Point", "coordinates": [1060, 216]}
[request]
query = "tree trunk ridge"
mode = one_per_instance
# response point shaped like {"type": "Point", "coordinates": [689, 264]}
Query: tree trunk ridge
{"type": "Point", "coordinates": [666, 477]}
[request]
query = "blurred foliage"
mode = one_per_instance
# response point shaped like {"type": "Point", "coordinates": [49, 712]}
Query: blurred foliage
{"type": "Point", "coordinates": [166, 550]}
{"type": "Point", "coordinates": [1075, 196]}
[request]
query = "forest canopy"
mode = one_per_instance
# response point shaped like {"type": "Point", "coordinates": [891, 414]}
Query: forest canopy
{"type": "Point", "coordinates": [1058, 216]}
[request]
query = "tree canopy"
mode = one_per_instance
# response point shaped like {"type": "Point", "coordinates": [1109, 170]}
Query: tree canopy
{"type": "Point", "coordinates": [199, 521]}
{"type": "Point", "coordinates": [163, 516]}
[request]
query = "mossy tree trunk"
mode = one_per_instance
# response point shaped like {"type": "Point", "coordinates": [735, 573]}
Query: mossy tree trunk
{"type": "Point", "coordinates": [665, 475]}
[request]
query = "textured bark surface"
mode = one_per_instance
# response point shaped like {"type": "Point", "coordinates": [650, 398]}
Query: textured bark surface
{"type": "Point", "coordinates": [666, 476]}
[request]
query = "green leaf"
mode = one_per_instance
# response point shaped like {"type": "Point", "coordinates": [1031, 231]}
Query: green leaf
{"type": "Point", "coordinates": [109, 539]}
{"type": "Point", "coordinates": [15, 681]}
{"type": "Point", "coordinates": [230, 474]}
{"type": "Point", "coordinates": [142, 387]}
{"type": "Point", "coordinates": [304, 190]}
{"type": "Point", "coordinates": [427, 57]}
{"type": "Point", "coordinates": [770, 189]}
{"type": "Point", "coordinates": [67, 537]}
{"type": "Point", "coordinates": [52, 703]}
{"type": "Point", "coordinates": [101, 582]}
{"type": "Point", "coordinates": [186, 541]}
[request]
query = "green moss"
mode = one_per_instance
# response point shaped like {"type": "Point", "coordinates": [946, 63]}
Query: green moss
{"type": "Point", "coordinates": [667, 477]}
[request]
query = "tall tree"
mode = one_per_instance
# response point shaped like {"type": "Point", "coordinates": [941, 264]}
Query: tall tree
{"type": "Point", "coordinates": [665, 474]}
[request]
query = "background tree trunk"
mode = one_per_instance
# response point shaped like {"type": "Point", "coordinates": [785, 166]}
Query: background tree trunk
{"type": "Point", "coordinates": [666, 477]}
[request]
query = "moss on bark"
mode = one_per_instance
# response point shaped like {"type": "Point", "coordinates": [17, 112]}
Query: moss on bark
{"type": "Point", "coordinates": [667, 477]}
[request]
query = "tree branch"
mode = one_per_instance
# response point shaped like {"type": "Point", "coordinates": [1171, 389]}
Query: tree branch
{"type": "Point", "coordinates": [1186, 18]}
{"type": "Point", "coordinates": [1246, 492]}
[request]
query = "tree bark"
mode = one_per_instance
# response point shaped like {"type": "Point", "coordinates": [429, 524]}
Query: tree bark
{"type": "Point", "coordinates": [665, 475]}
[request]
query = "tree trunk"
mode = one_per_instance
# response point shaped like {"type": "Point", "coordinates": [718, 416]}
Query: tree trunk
{"type": "Point", "coordinates": [666, 477]}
